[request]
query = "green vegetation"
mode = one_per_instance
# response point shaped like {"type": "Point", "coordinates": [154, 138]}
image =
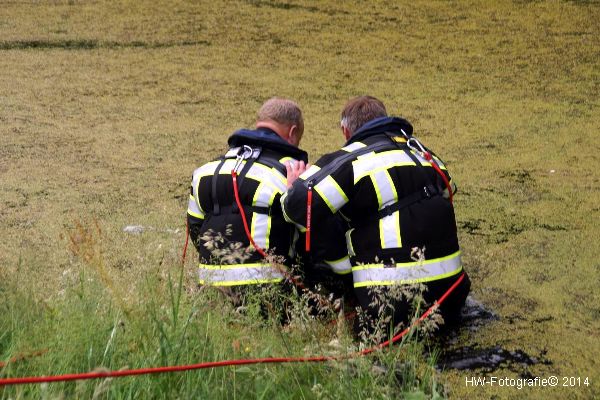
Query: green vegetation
{"type": "Point", "coordinates": [106, 108]}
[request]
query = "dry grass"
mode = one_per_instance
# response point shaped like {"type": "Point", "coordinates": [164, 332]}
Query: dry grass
{"type": "Point", "coordinates": [106, 108]}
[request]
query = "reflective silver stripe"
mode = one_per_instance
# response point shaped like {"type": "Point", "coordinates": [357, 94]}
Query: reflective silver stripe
{"type": "Point", "coordinates": [404, 273]}
{"type": "Point", "coordinates": [260, 229]}
{"type": "Point", "coordinates": [374, 162]}
{"type": "Point", "coordinates": [301, 227]}
{"type": "Point", "coordinates": [354, 146]}
{"type": "Point", "coordinates": [389, 231]}
{"type": "Point", "coordinates": [384, 188]}
{"type": "Point", "coordinates": [257, 172]}
{"type": "Point", "coordinates": [264, 195]}
{"type": "Point", "coordinates": [389, 226]}
{"type": "Point", "coordinates": [267, 175]}
{"type": "Point", "coordinates": [193, 208]}
{"type": "Point", "coordinates": [426, 163]}
{"type": "Point", "coordinates": [341, 266]}
{"type": "Point", "coordinates": [331, 193]}
{"type": "Point", "coordinates": [238, 274]}
{"type": "Point", "coordinates": [313, 169]}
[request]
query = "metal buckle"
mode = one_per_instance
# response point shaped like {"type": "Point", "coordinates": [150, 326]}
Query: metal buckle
{"type": "Point", "coordinates": [244, 153]}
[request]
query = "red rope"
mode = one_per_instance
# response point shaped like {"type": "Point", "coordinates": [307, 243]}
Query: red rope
{"type": "Point", "coordinates": [308, 216]}
{"type": "Point", "coordinates": [224, 363]}
{"type": "Point", "coordinates": [187, 237]}
{"type": "Point", "coordinates": [243, 214]}
{"type": "Point", "coordinates": [429, 158]}
{"type": "Point", "coordinates": [236, 194]}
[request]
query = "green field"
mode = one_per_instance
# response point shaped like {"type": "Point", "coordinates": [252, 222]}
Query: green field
{"type": "Point", "coordinates": [106, 108]}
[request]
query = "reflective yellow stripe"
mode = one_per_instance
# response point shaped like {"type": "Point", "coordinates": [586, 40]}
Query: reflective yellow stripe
{"type": "Point", "coordinates": [411, 264]}
{"type": "Point", "coordinates": [374, 162]}
{"type": "Point", "coordinates": [239, 283]}
{"type": "Point", "coordinates": [354, 146]}
{"type": "Point", "coordinates": [389, 231]}
{"type": "Point", "coordinates": [426, 163]}
{"type": "Point", "coordinates": [405, 273]}
{"type": "Point", "coordinates": [193, 208]}
{"type": "Point", "coordinates": [407, 281]}
{"type": "Point", "coordinates": [260, 228]}
{"type": "Point", "coordinates": [238, 274]}
{"type": "Point", "coordinates": [257, 172]}
{"type": "Point", "coordinates": [300, 227]}
{"type": "Point", "coordinates": [341, 266]}
{"type": "Point", "coordinates": [233, 266]}
{"type": "Point", "coordinates": [331, 193]}
{"type": "Point", "coordinates": [264, 195]}
{"type": "Point", "coordinates": [196, 215]}
{"type": "Point", "coordinates": [384, 188]}
{"type": "Point", "coordinates": [313, 169]}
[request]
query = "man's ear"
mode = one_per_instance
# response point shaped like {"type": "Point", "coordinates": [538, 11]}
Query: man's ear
{"type": "Point", "coordinates": [294, 135]}
{"type": "Point", "coordinates": [346, 132]}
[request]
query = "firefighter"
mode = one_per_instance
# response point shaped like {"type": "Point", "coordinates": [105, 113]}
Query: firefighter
{"type": "Point", "coordinates": [232, 249]}
{"type": "Point", "coordinates": [401, 229]}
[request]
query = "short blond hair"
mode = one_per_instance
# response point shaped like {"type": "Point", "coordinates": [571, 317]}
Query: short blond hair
{"type": "Point", "coordinates": [283, 111]}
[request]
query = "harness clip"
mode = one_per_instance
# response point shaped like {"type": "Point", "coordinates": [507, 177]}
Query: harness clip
{"type": "Point", "coordinates": [244, 153]}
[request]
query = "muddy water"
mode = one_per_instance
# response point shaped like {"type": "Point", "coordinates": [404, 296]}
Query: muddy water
{"type": "Point", "coordinates": [485, 359]}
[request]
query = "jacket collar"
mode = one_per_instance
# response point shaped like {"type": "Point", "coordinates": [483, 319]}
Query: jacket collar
{"type": "Point", "coordinates": [268, 138]}
{"type": "Point", "coordinates": [392, 125]}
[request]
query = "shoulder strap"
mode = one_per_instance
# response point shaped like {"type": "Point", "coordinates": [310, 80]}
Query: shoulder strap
{"type": "Point", "coordinates": [338, 162]}
{"type": "Point", "coordinates": [213, 190]}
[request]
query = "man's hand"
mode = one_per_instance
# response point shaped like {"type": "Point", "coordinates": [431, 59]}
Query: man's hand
{"type": "Point", "coordinates": [294, 170]}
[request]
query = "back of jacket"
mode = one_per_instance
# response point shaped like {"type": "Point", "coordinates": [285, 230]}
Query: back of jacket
{"type": "Point", "coordinates": [394, 201]}
{"type": "Point", "coordinates": [214, 219]}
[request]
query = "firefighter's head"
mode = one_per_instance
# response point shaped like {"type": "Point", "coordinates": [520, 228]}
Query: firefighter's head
{"type": "Point", "coordinates": [358, 111]}
{"type": "Point", "coordinates": [284, 117]}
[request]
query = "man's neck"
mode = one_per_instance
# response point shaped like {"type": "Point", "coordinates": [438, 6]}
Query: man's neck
{"type": "Point", "coordinates": [274, 126]}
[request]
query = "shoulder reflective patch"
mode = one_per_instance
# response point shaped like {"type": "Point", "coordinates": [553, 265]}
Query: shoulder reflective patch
{"type": "Point", "coordinates": [206, 169]}
{"type": "Point", "coordinates": [313, 169]}
{"type": "Point", "coordinates": [233, 152]}
{"type": "Point", "coordinates": [354, 146]}
{"type": "Point", "coordinates": [331, 193]}
{"type": "Point", "coordinates": [426, 163]}
{"type": "Point", "coordinates": [286, 159]}
{"type": "Point", "coordinates": [364, 166]}
{"type": "Point", "coordinates": [262, 173]}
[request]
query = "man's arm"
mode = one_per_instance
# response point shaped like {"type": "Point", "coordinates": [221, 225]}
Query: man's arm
{"type": "Point", "coordinates": [329, 194]}
{"type": "Point", "coordinates": [195, 215]}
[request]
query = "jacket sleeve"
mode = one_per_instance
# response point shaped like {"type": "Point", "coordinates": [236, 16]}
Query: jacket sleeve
{"type": "Point", "coordinates": [330, 192]}
{"type": "Point", "coordinates": [195, 214]}
{"type": "Point", "coordinates": [442, 166]}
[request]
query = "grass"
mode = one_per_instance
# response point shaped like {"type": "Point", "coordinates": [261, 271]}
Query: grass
{"type": "Point", "coordinates": [106, 108]}
{"type": "Point", "coordinates": [98, 325]}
